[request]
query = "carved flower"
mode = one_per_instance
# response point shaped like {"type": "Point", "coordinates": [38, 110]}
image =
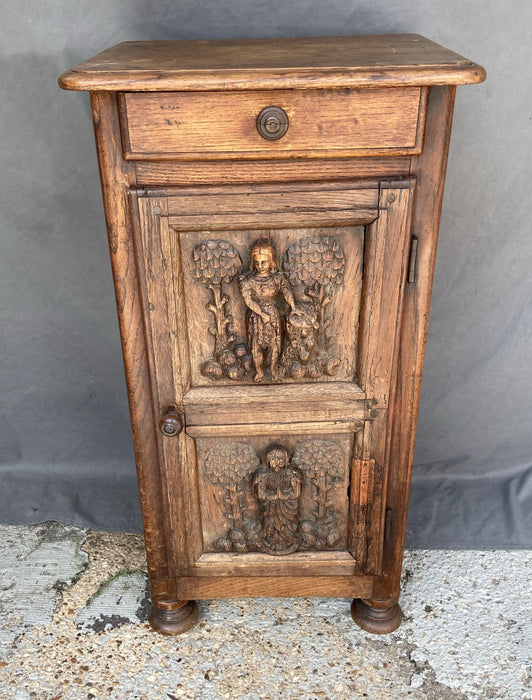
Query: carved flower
{"type": "Point", "coordinates": [215, 261]}
{"type": "Point", "coordinates": [314, 260]}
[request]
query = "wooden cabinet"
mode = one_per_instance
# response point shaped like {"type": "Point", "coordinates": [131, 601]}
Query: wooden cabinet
{"type": "Point", "coordinates": [272, 211]}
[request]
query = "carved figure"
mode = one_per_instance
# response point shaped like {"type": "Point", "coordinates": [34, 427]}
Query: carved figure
{"type": "Point", "coordinates": [294, 343]}
{"type": "Point", "coordinates": [277, 486]}
{"type": "Point", "coordinates": [262, 288]}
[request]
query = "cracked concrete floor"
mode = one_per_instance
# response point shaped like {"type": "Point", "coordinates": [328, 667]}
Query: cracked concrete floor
{"type": "Point", "coordinates": [73, 611]}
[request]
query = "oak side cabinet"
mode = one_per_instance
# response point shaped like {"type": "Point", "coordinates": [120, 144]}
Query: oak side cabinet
{"type": "Point", "coordinates": [272, 209]}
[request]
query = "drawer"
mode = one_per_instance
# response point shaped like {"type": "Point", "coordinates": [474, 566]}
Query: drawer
{"type": "Point", "coordinates": [321, 123]}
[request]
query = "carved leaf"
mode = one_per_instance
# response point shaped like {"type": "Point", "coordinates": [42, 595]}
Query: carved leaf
{"type": "Point", "coordinates": [227, 463]}
{"type": "Point", "coordinates": [315, 259]}
{"type": "Point", "coordinates": [318, 458]}
{"type": "Point", "coordinates": [215, 261]}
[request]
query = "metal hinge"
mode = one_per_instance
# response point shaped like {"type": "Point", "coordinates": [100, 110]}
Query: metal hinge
{"type": "Point", "coordinates": [412, 263]}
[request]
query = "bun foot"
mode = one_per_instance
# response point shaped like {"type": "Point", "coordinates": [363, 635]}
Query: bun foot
{"type": "Point", "coordinates": [376, 620]}
{"type": "Point", "coordinates": [173, 616]}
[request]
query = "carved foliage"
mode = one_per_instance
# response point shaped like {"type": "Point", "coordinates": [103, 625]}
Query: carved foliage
{"type": "Point", "coordinates": [226, 467]}
{"type": "Point", "coordinates": [322, 462]}
{"type": "Point", "coordinates": [215, 262]}
{"type": "Point", "coordinates": [278, 505]}
{"type": "Point", "coordinates": [315, 260]}
{"type": "Point", "coordinates": [318, 264]}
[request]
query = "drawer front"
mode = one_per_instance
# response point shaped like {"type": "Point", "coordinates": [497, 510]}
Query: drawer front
{"type": "Point", "coordinates": [322, 123]}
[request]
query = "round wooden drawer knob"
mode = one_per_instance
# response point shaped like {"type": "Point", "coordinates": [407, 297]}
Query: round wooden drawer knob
{"type": "Point", "coordinates": [171, 424]}
{"type": "Point", "coordinates": [272, 123]}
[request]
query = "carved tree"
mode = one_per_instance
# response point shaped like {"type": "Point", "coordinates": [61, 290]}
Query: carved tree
{"type": "Point", "coordinates": [322, 462]}
{"type": "Point", "coordinates": [227, 467]}
{"type": "Point", "coordinates": [318, 263]}
{"type": "Point", "coordinates": [213, 263]}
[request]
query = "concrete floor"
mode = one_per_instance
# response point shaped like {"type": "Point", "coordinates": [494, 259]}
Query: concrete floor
{"type": "Point", "coordinates": [73, 626]}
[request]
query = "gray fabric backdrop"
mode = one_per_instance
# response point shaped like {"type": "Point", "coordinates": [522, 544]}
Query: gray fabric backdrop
{"type": "Point", "coordinates": [65, 447]}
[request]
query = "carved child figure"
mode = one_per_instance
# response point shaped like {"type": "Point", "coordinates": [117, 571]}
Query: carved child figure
{"type": "Point", "coordinates": [261, 288]}
{"type": "Point", "coordinates": [277, 486]}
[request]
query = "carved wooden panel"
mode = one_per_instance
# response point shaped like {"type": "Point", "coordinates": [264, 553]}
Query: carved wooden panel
{"type": "Point", "coordinates": [272, 306]}
{"type": "Point", "coordinates": [274, 494]}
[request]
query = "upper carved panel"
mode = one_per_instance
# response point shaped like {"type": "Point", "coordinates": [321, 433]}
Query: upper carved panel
{"type": "Point", "coordinates": [286, 312]}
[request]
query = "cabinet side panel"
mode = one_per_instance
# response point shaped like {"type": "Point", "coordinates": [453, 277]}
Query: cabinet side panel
{"type": "Point", "coordinates": [114, 179]}
{"type": "Point", "coordinates": [429, 169]}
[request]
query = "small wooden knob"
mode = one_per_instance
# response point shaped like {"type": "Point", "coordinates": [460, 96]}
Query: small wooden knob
{"type": "Point", "coordinates": [272, 123]}
{"type": "Point", "coordinates": [171, 424]}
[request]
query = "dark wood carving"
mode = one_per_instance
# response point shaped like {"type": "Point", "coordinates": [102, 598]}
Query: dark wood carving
{"type": "Point", "coordinates": [262, 499]}
{"type": "Point", "coordinates": [289, 314]}
{"type": "Point", "coordinates": [277, 487]}
{"type": "Point", "coordinates": [227, 467]}
{"type": "Point", "coordinates": [322, 462]}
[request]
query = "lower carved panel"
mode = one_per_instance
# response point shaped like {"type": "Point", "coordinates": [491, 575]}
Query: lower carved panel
{"type": "Point", "coordinates": [274, 496]}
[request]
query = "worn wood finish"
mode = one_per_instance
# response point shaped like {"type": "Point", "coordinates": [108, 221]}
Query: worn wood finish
{"type": "Point", "coordinates": [165, 322]}
{"type": "Point", "coordinates": [279, 585]}
{"type": "Point", "coordinates": [315, 427]}
{"type": "Point", "coordinates": [115, 175]}
{"type": "Point", "coordinates": [376, 620]}
{"type": "Point", "coordinates": [430, 170]}
{"type": "Point", "coordinates": [321, 123]}
{"type": "Point", "coordinates": [256, 564]}
{"type": "Point", "coordinates": [272, 324]}
{"type": "Point", "coordinates": [164, 173]}
{"type": "Point", "coordinates": [288, 403]}
{"type": "Point", "coordinates": [172, 617]}
{"type": "Point", "coordinates": [266, 64]}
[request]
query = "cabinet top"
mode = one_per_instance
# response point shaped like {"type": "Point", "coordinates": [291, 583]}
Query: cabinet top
{"type": "Point", "coordinates": [343, 61]}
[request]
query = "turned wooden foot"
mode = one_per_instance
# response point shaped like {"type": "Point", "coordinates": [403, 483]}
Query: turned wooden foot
{"type": "Point", "coordinates": [173, 616]}
{"type": "Point", "coordinates": [376, 620]}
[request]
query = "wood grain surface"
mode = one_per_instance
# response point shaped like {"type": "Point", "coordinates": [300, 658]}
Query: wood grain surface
{"type": "Point", "coordinates": [352, 61]}
{"type": "Point", "coordinates": [324, 123]}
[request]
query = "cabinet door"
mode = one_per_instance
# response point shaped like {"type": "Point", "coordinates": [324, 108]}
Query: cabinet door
{"type": "Point", "coordinates": [271, 319]}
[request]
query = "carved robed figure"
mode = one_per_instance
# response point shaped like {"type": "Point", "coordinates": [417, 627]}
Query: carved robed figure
{"type": "Point", "coordinates": [277, 486]}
